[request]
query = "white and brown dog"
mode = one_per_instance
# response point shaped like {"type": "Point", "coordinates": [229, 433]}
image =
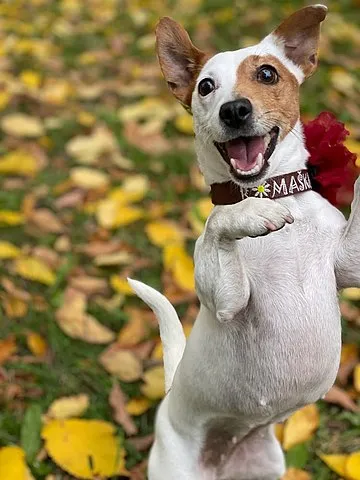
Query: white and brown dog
{"type": "Point", "coordinates": [267, 338]}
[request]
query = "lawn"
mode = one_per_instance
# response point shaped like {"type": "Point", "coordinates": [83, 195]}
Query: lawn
{"type": "Point", "coordinates": [98, 183]}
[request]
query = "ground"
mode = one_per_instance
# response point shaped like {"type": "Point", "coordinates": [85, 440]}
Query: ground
{"type": "Point", "coordinates": [99, 182]}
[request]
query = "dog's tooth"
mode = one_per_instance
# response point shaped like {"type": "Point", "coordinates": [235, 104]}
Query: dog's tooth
{"type": "Point", "coordinates": [233, 163]}
{"type": "Point", "coordinates": [239, 172]}
{"type": "Point", "coordinates": [259, 158]}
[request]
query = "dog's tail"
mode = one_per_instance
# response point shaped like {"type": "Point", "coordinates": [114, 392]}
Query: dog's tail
{"type": "Point", "coordinates": [171, 331]}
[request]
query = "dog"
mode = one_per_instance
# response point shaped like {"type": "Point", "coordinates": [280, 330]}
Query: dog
{"type": "Point", "coordinates": [268, 265]}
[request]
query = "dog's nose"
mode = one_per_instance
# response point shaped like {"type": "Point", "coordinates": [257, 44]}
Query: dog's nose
{"type": "Point", "coordinates": [235, 113]}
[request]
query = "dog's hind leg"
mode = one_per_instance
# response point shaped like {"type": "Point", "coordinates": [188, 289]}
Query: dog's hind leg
{"type": "Point", "coordinates": [222, 283]}
{"type": "Point", "coordinates": [257, 457]}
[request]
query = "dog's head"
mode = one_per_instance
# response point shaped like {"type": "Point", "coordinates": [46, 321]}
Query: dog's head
{"type": "Point", "coordinates": [244, 102]}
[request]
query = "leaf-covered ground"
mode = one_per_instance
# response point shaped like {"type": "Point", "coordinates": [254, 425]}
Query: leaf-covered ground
{"type": "Point", "coordinates": [98, 182]}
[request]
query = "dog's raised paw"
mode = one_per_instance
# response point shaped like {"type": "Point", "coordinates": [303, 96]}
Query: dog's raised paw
{"type": "Point", "coordinates": [263, 216]}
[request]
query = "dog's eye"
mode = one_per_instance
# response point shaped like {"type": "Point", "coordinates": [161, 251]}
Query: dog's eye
{"type": "Point", "coordinates": [267, 74]}
{"type": "Point", "coordinates": [206, 86]}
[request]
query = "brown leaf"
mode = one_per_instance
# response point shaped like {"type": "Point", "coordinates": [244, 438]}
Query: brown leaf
{"type": "Point", "coordinates": [117, 401]}
{"type": "Point", "coordinates": [46, 220]}
{"type": "Point", "coordinates": [94, 249]}
{"type": "Point", "coordinates": [76, 323]}
{"type": "Point", "coordinates": [135, 330]}
{"type": "Point", "coordinates": [70, 199]}
{"type": "Point", "coordinates": [89, 285]}
{"type": "Point", "coordinates": [7, 348]}
{"type": "Point", "coordinates": [340, 397]}
{"type": "Point", "coordinates": [349, 358]}
{"type": "Point", "coordinates": [142, 443]}
{"type": "Point", "coordinates": [122, 363]}
{"type": "Point", "coordinates": [152, 143]}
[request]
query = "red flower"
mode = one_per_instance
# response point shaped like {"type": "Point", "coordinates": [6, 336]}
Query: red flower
{"type": "Point", "coordinates": [331, 164]}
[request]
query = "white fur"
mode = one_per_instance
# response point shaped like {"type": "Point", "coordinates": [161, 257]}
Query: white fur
{"type": "Point", "coordinates": [267, 338]}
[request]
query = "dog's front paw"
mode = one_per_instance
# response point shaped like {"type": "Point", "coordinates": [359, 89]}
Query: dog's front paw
{"type": "Point", "coordinates": [259, 217]}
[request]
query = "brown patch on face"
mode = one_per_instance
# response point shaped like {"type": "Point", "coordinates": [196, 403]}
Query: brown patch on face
{"type": "Point", "coordinates": [180, 61]}
{"type": "Point", "coordinates": [274, 104]}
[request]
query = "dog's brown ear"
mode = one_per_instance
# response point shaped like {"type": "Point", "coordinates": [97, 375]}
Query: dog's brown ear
{"type": "Point", "coordinates": [179, 59]}
{"type": "Point", "coordinates": [300, 35]}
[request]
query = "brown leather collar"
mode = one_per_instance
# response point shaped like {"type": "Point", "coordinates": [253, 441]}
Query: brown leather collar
{"type": "Point", "coordinates": [228, 193]}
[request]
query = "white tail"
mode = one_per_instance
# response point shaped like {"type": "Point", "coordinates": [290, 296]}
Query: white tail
{"type": "Point", "coordinates": [171, 331]}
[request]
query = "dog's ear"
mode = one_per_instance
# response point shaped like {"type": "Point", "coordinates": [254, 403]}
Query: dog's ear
{"type": "Point", "coordinates": [179, 59]}
{"type": "Point", "coordinates": [300, 35]}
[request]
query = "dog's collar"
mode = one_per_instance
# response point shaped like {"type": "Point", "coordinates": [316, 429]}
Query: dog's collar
{"type": "Point", "coordinates": [228, 193]}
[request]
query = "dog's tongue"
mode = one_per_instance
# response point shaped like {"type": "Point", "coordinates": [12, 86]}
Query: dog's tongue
{"type": "Point", "coordinates": [245, 151]}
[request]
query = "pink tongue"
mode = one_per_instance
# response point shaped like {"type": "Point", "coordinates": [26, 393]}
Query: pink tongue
{"type": "Point", "coordinates": [245, 152]}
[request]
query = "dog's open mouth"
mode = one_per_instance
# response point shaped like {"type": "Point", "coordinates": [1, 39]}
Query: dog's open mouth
{"type": "Point", "coordinates": [248, 156]}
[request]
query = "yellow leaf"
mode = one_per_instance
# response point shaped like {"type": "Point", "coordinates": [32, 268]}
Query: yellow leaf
{"type": "Point", "coordinates": [121, 285]}
{"type": "Point", "coordinates": [204, 206]}
{"type": "Point", "coordinates": [183, 272]}
{"type": "Point", "coordinates": [10, 217]}
{"type": "Point", "coordinates": [14, 307]}
{"type": "Point", "coordinates": [177, 260]}
{"type": "Point", "coordinates": [12, 464]}
{"type": "Point", "coordinates": [154, 386]}
{"type": "Point", "coordinates": [163, 232]}
{"type": "Point", "coordinates": [8, 250]}
{"type": "Point", "coordinates": [184, 123]}
{"type": "Point", "coordinates": [75, 322]}
{"type": "Point", "coordinates": [88, 149]}
{"type": "Point", "coordinates": [36, 344]}
{"type": "Point", "coordinates": [357, 377]}
{"type": "Point", "coordinates": [137, 406]}
{"type": "Point", "coordinates": [111, 214]}
{"type": "Point", "coordinates": [158, 352]}
{"type": "Point", "coordinates": [84, 448]}
{"type": "Point", "coordinates": [336, 463]}
{"type": "Point", "coordinates": [67, 407]}
{"type": "Point", "coordinates": [354, 147]}
{"type": "Point", "coordinates": [133, 332]}
{"type": "Point", "coordinates": [22, 125]}
{"type": "Point", "coordinates": [132, 190]}
{"type": "Point", "coordinates": [301, 426]}
{"type": "Point", "coordinates": [122, 363]}
{"type": "Point", "coordinates": [296, 474]}
{"type": "Point", "coordinates": [18, 162]}
{"type": "Point", "coordinates": [352, 466]}
{"type": "Point", "coordinates": [352, 293]}
{"type": "Point", "coordinates": [56, 92]}
{"type": "Point", "coordinates": [86, 119]}
{"type": "Point", "coordinates": [279, 432]}
{"type": "Point", "coordinates": [4, 99]}
{"type": "Point", "coordinates": [88, 178]}
{"type": "Point", "coordinates": [30, 78]}
{"type": "Point", "coordinates": [34, 269]}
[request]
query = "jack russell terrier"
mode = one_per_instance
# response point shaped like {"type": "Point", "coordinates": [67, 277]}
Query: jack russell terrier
{"type": "Point", "coordinates": [268, 266]}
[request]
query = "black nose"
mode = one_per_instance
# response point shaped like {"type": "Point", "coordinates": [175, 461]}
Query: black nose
{"type": "Point", "coordinates": [235, 113]}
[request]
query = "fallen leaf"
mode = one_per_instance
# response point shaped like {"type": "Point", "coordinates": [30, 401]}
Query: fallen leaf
{"type": "Point", "coordinates": [46, 220]}
{"type": "Point", "coordinates": [7, 349]}
{"type": "Point", "coordinates": [352, 293]}
{"type": "Point", "coordinates": [348, 360]}
{"type": "Point", "coordinates": [110, 214]}
{"type": "Point", "coordinates": [9, 217]}
{"type": "Point", "coordinates": [301, 426]}
{"type": "Point", "coordinates": [136, 406]}
{"type": "Point", "coordinates": [357, 377]}
{"type": "Point", "coordinates": [87, 149]}
{"type": "Point", "coordinates": [75, 322]}
{"type": "Point", "coordinates": [340, 397]}
{"type": "Point", "coordinates": [84, 448]}
{"type": "Point", "coordinates": [122, 363]}
{"type": "Point", "coordinates": [154, 383]}
{"type": "Point", "coordinates": [89, 285]}
{"type": "Point", "coordinates": [184, 123]}
{"type": "Point", "coordinates": [337, 463]}
{"type": "Point", "coordinates": [352, 466]}
{"type": "Point", "coordinates": [15, 307]}
{"type": "Point", "coordinates": [121, 285]}
{"type": "Point", "coordinates": [34, 269]}
{"type": "Point", "coordinates": [117, 401]}
{"type": "Point", "coordinates": [67, 407]}
{"type": "Point", "coordinates": [89, 178]}
{"type": "Point", "coordinates": [118, 258]}
{"type": "Point", "coordinates": [163, 232]}
{"type": "Point", "coordinates": [279, 432]}
{"type": "Point", "coordinates": [134, 331]}
{"type": "Point", "coordinates": [18, 162]}
{"type": "Point", "coordinates": [296, 474]}
{"type": "Point", "coordinates": [8, 250]}
{"type": "Point", "coordinates": [13, 465]}
{"type": "Point", "coordinates": [22, 125]}
{"type": "Point", "coordinates": [142, 443]}
{"type": "Point", "coordinates": [36, 344]}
